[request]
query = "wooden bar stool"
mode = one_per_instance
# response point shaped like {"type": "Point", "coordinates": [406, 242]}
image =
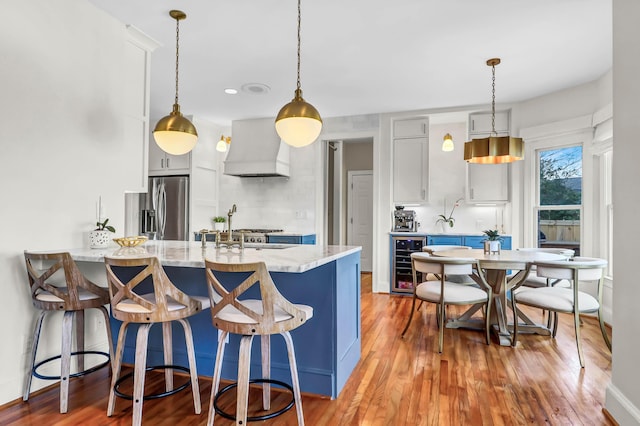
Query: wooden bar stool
{"type": "Point", "coordinates": [271, 314]}
{"type": "Point", "coordinates": [56, 284]}
{"type": "Point", "coordinates": [165, 304]}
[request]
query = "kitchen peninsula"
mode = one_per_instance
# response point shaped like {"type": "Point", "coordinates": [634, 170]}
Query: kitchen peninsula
{"type": "Point", "coordinates": [324, 277]}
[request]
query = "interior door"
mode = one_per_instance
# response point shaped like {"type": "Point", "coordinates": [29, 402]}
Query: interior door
{"type": "Point", "coordinates": [360, 214]}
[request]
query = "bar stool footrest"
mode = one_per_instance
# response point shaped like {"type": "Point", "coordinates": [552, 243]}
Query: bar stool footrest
{"type": "Point", "coordinates": [154, 395]}
{"type": "Point", "coordinates": [77, 374]}
{"type": "Point", "coordinates": [255, 418]}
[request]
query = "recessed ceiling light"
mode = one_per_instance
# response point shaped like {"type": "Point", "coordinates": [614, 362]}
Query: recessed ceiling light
{"type": "Point", "coordinates": [256, 88]}
{"type": "Point", "coordinates": [231, 91]}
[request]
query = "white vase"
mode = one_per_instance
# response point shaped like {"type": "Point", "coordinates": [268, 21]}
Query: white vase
{"type": "Point", "coordinates": [445, 227]}
{"type": "Point", "coordinates": [494, 247]}
{"type": "Point", "coordinates": [99, 239]}
{"type": "Point", "coordinates": [218, 226]}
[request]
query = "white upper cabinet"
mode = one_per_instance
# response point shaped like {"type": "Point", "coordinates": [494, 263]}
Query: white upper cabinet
{"type": "Point", "coordinates": [410, 160]}
{"type": "Point", "coordinates": [480, 123]}
{"type": "Point", "coordinates": [488, 183]}
{"type": "Point", "coordinates": [137, 50]}
{"type": "Point", "coordinates": [410, 127]}
{"type": "Point", "coordinates": [162, 164]}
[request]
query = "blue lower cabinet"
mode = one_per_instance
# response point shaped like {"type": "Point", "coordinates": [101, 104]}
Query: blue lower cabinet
{"type": "Point", "coordinates": [292, 239]}
{"type": "Point", "coordinates": [441, 240]}
{"type": "Point", "coordinates": [473, 241]}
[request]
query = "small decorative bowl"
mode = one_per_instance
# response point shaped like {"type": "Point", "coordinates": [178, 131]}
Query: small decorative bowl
{"type": "Point", "coordinates": [130, 241]}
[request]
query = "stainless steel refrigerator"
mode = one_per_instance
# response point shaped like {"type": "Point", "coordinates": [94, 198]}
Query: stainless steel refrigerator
{"type": "Point", "coordinates": [164, 211]}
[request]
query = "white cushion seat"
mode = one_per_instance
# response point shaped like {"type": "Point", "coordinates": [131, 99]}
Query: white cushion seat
{"type": "Point", "coordinates": [232, 314]}
{"type": "Point", "coordinates": [454, 293]}
{"type": "Point", "coordinates": [557, 299]}
{"type": "Point", "coordinates": [130, 306]}
{"type": "Point", "coordinates": [47, 296]}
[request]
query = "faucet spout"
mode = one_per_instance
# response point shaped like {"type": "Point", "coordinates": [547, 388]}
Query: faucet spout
{"type": "Point", "coordinates": [232, 210]}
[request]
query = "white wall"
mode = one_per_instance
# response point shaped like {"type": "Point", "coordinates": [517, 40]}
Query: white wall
{"type": "Point", "coordinates": [623, 393]}
{"type": "Point", "coordinates": [62, 148]}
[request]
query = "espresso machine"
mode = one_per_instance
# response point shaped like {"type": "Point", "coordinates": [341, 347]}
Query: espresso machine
{"type": "Point", "coordinates": [404, 220]}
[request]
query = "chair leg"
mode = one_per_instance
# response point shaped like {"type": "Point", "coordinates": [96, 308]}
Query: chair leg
{"type": "Point", "coordinates": [34, 349]}
{"type": "Point", "coordinates": [413, 308]}
{"type": "Point", "coordinates": [555, 324]}
{"type": "Point", "coordinates": [244, 364]}
{"type": "Point", "coordinates": [441, 327]}
{"type": "Point", "coordinates": [116, 363]}
{"type": "Point", "coordinates": [79, 339]}
{"type": "Point", "coordinates": [193, 368]}
{"type": "Point", "coordinates": [576, 323]}
{"type": "Point", "coordinates": [294, 376]}
{"type": "Point", "coordinates": [603, 329]}
{"type": "Point", "coordinates": [139, 372]}
{"type": "Point", "coordinates": [217, 371]}
{"type": "Point", "coordinates": [65, 359]}
{"type": "Point", "coordinates": [167, 344]}
{"type": "Point", "coordinates": [265, 350]}
{"type": "Point", "coordinates": [107, 325]}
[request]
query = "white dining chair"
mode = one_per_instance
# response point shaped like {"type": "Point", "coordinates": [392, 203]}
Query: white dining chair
{"type": "Point", "coordinates": [444, 292]}
{"type": "Point", "coordinates": [533, 280]}
{"type": "Point", "coordinates": [566, 300]}
{"type": "Point", "coordinates": [460, 279]}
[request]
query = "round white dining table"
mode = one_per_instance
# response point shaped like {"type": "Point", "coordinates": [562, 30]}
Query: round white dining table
{"type": "Point", "coordinates": [496, 267]}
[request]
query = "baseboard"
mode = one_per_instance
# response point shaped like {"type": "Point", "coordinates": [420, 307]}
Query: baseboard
{"type": "Point", "coordinates": [619, 408]}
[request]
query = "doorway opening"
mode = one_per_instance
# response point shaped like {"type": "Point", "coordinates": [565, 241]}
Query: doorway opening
{"type": "Point", "coordinates": [349, 195]}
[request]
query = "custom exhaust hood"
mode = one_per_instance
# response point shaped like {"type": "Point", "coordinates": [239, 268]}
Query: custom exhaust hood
{"type": "Point", "coordinates": [256, 150]}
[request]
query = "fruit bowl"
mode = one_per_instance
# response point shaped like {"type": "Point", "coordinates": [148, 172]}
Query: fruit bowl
{"type": "Point", "coordinates": [130, 241]}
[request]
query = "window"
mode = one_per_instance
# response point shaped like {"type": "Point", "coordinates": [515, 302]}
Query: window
{"type": "Point", "coordinates": [559, 197]}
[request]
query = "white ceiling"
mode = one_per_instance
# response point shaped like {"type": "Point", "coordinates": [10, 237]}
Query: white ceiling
{"type": "Point", "coordinates": [367, 56]}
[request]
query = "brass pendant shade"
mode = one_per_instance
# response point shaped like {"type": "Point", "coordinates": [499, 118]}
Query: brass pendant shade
{"type": "Point", "coordinates": [298, 123]}
{"type": "Point", "coordinates": [494, 149]}
{"type": "Point", "coordinates": [174, 133]}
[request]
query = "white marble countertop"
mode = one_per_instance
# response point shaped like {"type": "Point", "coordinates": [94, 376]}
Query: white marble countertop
{"type": "Point", "coordinates": [278, 257]}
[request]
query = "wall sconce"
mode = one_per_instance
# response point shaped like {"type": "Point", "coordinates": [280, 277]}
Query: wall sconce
{"type": "Point", "coordinates": [447, 144]}
{"type": "Point", "coordinates": [223, 143]}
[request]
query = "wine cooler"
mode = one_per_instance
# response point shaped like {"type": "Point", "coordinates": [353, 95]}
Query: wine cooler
{"type": "Point", "coordinates": [401, 274]}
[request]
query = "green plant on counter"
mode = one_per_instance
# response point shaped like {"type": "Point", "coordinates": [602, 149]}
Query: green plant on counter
{"type": "Point", "coordinates": [492, 235]}
{"type": "Point", "coordinates": [102, 226]}
{"type": "Point", "coordinates": [219, 219]}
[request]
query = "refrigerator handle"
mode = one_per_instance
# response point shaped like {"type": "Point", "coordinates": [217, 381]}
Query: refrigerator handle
{"type": "Point", "coordinates": [162, 206]}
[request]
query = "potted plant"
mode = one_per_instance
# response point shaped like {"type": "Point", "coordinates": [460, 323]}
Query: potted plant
{"type": "Point", "coordinates": [492, 243]}
{"type": "Point", "coordinates": [99, 237]}
{"type": "Point", "coordinates": [445, 219]}
{"type": "Point", "coordinates": [218, 223]}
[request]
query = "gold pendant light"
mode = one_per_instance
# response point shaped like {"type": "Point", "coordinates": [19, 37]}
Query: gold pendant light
{"type": "Point", "coordinates": [175, 134]}
{"type": "Point", "coordinates": [298, 123]}
{"type": "Point", "coordinates": [494, 149]}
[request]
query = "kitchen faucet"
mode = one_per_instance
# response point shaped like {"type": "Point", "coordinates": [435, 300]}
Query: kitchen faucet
{"type": "Point", "coordinates": [229, 242]}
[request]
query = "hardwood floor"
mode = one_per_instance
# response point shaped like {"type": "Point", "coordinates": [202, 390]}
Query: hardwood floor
{"type": "Point", "coordinates": [397, 382]}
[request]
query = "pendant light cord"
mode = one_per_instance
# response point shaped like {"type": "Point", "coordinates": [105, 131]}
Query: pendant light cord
{"type": "Point", "coordinates": [177, 55]}
{"type": "Point", "coordinates": [299, 22]}
{"type": "Point", "coordinates": [493, 100]}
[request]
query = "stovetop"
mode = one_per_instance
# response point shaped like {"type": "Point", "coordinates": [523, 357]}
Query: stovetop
{"type": "Point", "coordinates": [257, 231]}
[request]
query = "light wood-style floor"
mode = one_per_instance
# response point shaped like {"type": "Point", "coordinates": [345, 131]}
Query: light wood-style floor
{"type": "Point", "coordinates": [397, 382]}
